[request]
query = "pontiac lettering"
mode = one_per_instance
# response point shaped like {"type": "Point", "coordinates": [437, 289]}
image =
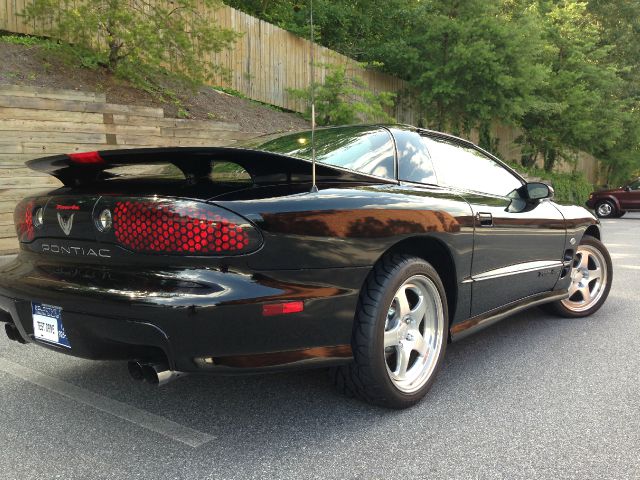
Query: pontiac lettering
{"type": "Point", "coordinates": [78, 251]}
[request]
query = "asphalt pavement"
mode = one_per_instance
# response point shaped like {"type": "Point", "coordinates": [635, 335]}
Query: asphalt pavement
{"type": "Point", "coordinates": [531, 397]}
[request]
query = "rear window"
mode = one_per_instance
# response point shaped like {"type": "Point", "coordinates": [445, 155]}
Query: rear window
{"type": "Point", "coordinates": [363, 149]}
{"type": "Point", "coordinates": [220, 171]}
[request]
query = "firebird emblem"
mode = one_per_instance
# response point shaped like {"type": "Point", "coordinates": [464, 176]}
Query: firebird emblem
{"type": "Point", "coordinates": [66, 223]}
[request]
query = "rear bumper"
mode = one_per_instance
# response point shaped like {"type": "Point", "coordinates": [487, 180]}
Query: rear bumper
{"type": "Point", "coordinates": [184, 316]}
{"type": "Point", "coordinates": [96, 337]}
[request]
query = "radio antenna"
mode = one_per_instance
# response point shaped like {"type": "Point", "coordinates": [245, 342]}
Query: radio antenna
{"type": "Point", "coordinates": [314, 187]}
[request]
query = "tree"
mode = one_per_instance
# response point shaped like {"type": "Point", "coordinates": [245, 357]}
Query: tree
{"type": "Point", "coordinates": [343, 99]}
{"type": "Point", "coordinates": [469, 62]}
{"type": "Point", "coordinates": [620, 20]}
{"type": "Point", "coordinates": [138, 39]}
{"type": "Point", "coordinates": [577, 107]}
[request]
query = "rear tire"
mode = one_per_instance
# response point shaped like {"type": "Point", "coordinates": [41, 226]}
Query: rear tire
{"type": "Point", "coordinates": [399, 336]}
{"type": "Point", "coordinates": [606, 209]}
{"type": "Point", "coordinates": [591, 278]}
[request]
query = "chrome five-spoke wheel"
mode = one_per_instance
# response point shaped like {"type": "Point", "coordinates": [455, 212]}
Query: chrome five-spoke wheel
{"type": "Point", "coordinates": [588, 279]}
{"type": "Point", "coordinates": [413, 334]}
{"type": "Point", "coordinates": [400, 333]}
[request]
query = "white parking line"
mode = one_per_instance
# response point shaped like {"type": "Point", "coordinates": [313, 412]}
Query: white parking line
{"type": "Point", "coordinates": [155, 423]}
{"type": "Point", "coordinates": [631, 267]}
{"type": "Point", "coordinates": [620, 255]}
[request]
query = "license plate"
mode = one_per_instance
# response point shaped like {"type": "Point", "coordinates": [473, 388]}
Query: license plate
{"type": "Point", "coordinates": [47, 324]}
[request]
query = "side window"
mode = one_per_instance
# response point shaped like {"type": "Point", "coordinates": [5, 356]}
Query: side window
{"type": "Point", "coordinates": [229, 172]}
{"type": "Point", "coordinates": [466, 168]}
{"type": "Point", "coordinates": [414, 162]}
{"type": "Point", "coordinates": [635, 185]}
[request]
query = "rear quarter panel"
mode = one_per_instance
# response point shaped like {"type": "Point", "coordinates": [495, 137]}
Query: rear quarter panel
{"type": "Point", "coordinates": [345, 228]}
{"type": "Point", "coordinates": [354, 227]}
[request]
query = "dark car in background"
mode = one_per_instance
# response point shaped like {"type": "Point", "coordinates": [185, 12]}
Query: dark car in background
{"type": "Point", "coordinates": [614, 203]}
{"type": "Point", "coordinates": [227, 260]}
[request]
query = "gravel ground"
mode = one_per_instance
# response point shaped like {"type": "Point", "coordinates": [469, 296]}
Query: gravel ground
{"type": "Point", "coordinates": [531, 397]}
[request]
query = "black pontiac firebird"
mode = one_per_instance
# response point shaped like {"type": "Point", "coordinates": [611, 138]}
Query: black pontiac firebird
{"type": "Point", "coordinates": [225, 260]}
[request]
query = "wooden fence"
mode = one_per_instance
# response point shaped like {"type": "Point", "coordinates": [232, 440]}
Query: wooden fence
{"type": "Point", "coordinates": [35, 122]}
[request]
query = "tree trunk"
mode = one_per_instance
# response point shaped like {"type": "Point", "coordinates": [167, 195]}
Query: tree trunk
{"type": "Point", "coordinates": [550, 157]}
{"type": "Point", "coordinates": [484, 141]}
{"type": "Point", "coordinates": [114, 49]}
{"type": "Point", "coordinates": [440, 115]}
{"type": "Point", "coordinates": [528, 160]}
{"type": "Point", "coordinates": [113, 43]}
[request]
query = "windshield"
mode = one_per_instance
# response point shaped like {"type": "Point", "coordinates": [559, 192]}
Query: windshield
{"type": "Point", "coordinates": [368, 150]}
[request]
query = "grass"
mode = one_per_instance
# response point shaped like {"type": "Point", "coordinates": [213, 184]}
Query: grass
{"type": "Point", "coordinates": [28, 40]}
{"type": "Point", "coordinates": [236, 93]}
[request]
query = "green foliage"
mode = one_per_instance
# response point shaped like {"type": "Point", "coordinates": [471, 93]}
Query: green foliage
{"type": "Point", "coordinates": [72, 54]}
{"type": "Point", "coordinates": [570, 188]}
{"type": "Point", "coordinates": [230, 91]}
{"type": "Point", "coordinates": [48, 45]}
{"type": "Point", "coordinates": [620, 32]}
{"type": "Point", "coordinates": [24, 40]}
{"type": "Point", "coordinates": [576, 108]}
{"type": "Point", "coordinates": [477, 61]}
{"type": "Point", "coordinates": [343, 99]}
{"type": "Point", "coordinates": [139, 38]}
{"type": "Point", "coordinates": [182, 112]}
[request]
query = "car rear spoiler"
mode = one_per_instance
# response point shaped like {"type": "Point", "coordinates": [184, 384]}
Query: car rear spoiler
{"type": "Point", "coordinates": [195, 163]}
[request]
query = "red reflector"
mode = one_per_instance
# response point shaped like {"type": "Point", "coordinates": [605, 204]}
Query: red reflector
{"type": "Point", "coordinates": [181, 228]}
{"type": "Point", "coordinates": [86, 158]}
{"type": "Point", "coordinates": [282, 308]}
{"type": "Point", "coordinates": [23, 219]}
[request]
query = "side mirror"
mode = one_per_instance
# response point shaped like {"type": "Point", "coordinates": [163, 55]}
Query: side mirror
{"type": "Point", "coordinates": [627, 188]}
{"type": "Point", "coordinates": [538, 191]}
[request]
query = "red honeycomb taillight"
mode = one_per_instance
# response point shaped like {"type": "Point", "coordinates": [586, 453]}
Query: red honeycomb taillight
{"type": "Point", "coordinates": [181, 227]}
{"type": "Point", "coordinates": [23, 220]}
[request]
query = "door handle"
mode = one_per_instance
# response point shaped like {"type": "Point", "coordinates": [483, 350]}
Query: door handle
{"type": "Point", "coordinates": [484, 219]}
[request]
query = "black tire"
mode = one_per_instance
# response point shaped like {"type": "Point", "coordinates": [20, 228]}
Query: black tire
{"type": "Point", "coordinates": [620, 214]}
{"type": "Point", "coordinates": [368, 376]}
{"type": "Point", "coordinates": [605, 206]}
{"type": "Point", "coordinates": [564, 308]}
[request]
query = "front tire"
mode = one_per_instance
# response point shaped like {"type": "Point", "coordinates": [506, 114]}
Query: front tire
{"type": "Point", "coordinates": [591, 279]}
{"type": "Point", "coordinates": [399, 336]}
